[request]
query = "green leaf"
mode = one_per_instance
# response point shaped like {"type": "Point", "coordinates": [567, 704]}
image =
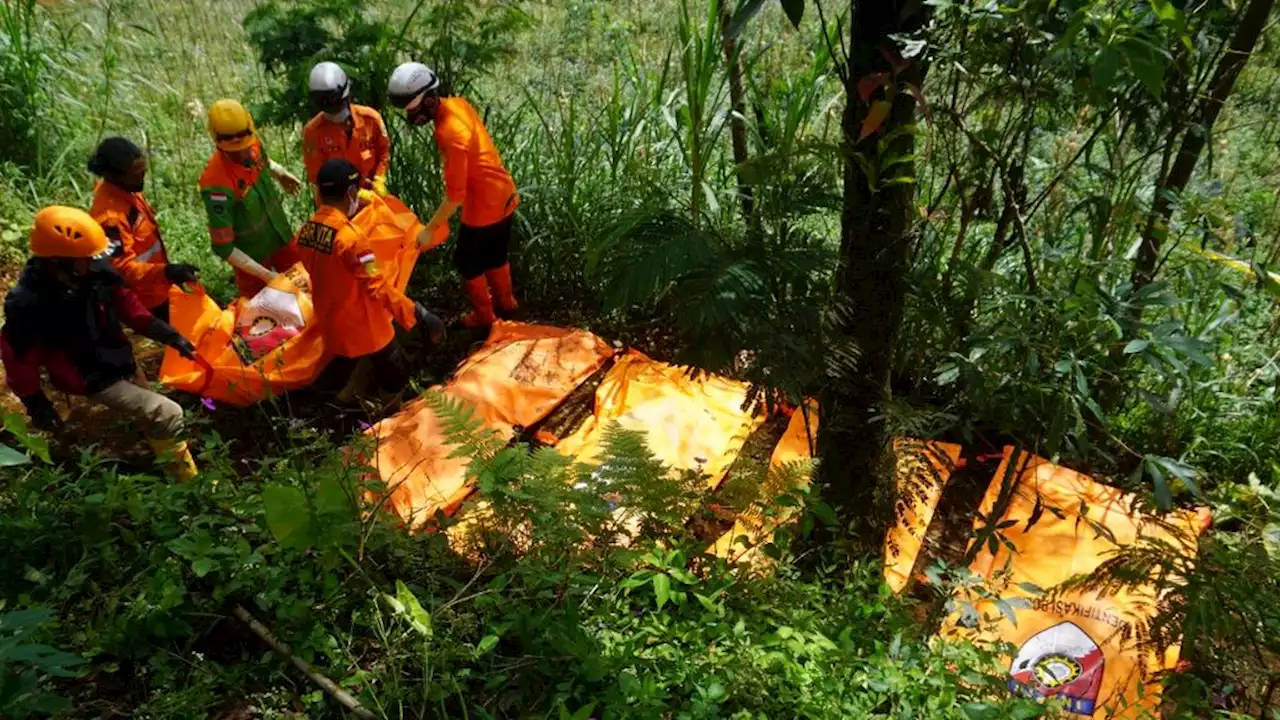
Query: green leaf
{"type": "Point", "coordinates": [1136, 346]}
{"type": "Point", "coordinates": [11, 458]}
{"type": "Point", "coordinates": [288, 515]}
{"type": "Point", "coordinates": [1007, 610]}
{"type": "Point", "coordinates": [1271, 540]}
{"type": "Point", "coordinates": [1148, 64]}
{"type": "Point", "coordinates": [981, 711]}
{"type": "Point", "coordinates": [201, 566]}
{"type": "Point", "coordinates": [794, 10]}
{"type": "Point", "coordinates": [407, 606]}
{"type": "Point", "coordinates": [662, 588]}
{"type": "Point", "coordinates": [740, 19]}
{"type": "Point", "coordinates": [706, 602]}
{"type": "Point", "coordinates": [1105, 69]}
{"type": "Point", "coordinates": [486, 644]}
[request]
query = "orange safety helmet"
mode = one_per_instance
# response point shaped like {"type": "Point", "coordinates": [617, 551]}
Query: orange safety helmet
{"type": "Point", "coordinates": [65, 232]}
{"type": "Point", "coordinates": [230, 125]}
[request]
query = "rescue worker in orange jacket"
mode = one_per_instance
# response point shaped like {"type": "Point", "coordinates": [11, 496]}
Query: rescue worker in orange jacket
{"type": "Point", "coordinates": [247, 223]}
{"type": "Point", "coordinates": [475, 180]}
{"type": "Point", "coordinates": [352, 298]}
{"type": "Point", "coordinates": [342, 129]}
{"type": "Point", "coordinates": [137, 250]}
{"type": "Point", "coordinates": [66, 315]}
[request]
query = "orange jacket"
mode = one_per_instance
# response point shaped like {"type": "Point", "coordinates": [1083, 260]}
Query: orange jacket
{"type": "Point", "coordinates": [349, 291]}
{"type": "Point", "coordinates": [364, 144]}
{"type": "Point", "coordinates": [473, 170]}
{"type": "Point", "coordinates": [137, 251]}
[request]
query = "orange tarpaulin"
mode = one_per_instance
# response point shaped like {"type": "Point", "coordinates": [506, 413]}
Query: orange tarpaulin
{"type": "Point", "coordinates": [520, 375]}
{"type": "Point", "coordinates": [223, 374]}
{"type": "Point", "coordinates": [922, 472]}
{"type": "Point", "coordinates": [1080, 647]}
{"type": "Point", "coordinates": [688, 423]}
{"type": "Point", "coordinates": [795, 446]}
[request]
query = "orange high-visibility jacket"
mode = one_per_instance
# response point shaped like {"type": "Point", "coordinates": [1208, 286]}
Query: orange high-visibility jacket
{"type": "Point", "coordinates": [137, 250]}
{"type": "Point", "coordinates": [365, 144]}
{"type": "Point", "coordinates": [348, 289]}
{"type": "Point", "coordinates": [473, 170]}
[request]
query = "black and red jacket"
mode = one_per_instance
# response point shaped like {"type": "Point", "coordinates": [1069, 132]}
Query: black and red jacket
{"type": "Point", "coordinates": [76, 334]}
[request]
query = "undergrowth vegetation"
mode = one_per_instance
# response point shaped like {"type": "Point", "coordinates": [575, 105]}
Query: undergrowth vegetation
{"type": "Point", "coordinates": [684, 171]}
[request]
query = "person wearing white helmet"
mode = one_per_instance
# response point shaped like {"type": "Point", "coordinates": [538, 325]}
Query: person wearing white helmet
{"type": "Point", "coordinates": [343, 129]}
{"type": "Point", "coordinates": [475, 180]}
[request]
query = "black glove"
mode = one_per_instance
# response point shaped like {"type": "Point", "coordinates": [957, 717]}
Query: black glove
{"type": "Point", "coordinates": [165, 334]}
{"type": "Point", "coordinates": [181, 273]}
{"type": "Point", "coordinates": [184, 348]}
{"type": "Point", "coordinates": [43, 416]}
{"type": "Point", "coordinates": [429, 323]}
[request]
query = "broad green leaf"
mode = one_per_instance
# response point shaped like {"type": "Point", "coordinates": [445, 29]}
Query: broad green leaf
{"type": "Point", "coordinates": [1007, 610]}
{"type": "Point", "coordinates": [407, 606]}
{"type": "Point", "coordinates": [288, 515]}
{"type": "Point", "coordinates": [1148, 64]}
{"type": "Point", "coordinates": [749, 10]}
{"type": "Point", "coordinates": [1105, 68]}
{"type": "Point", "coordinates": [662, 588]}
{"type": "Point", "coordinates": [1164, 497]}
{"type": "Point", "coordinates": [487, 643]}
{"type": "Point", "coordinates": [794, 10]}
{"type": "Point", "coordinates": [201, 566]}
{"type": "Point", "coordinates": [10, 457]}
{"type": "Point", "coordinates": [1271, 540]}
{"type": "Point", "coordinates": [1136, 346]}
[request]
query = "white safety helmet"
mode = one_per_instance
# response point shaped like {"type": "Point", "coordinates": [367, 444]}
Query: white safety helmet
{"type": "Point", "coordinates": [330, 88]}
{"type": "Point", "coordinates": [409, 81]}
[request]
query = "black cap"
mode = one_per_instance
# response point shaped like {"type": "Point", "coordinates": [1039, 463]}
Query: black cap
{"type": "Point", "coordinates": [336, 177]}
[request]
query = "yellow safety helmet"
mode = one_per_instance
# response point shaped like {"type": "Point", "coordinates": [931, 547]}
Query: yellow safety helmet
{"type": "Point", "coordinates": [65, 232]}
{"type": "Point", "coordinates": [230, 125]}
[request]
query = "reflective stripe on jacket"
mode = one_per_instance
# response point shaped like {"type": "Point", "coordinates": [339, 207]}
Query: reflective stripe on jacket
{"type": "Point", "coordinates": [137, 249]}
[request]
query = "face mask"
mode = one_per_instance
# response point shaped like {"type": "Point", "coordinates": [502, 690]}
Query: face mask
{"type": "Point", "coordinates": [419, 117]}
{"type": "Point", "coordinates": [354, 208]}
{"type": "Point", "coordinates": [417, 113]}
{"type": "Point", "coordinates": [340, 116]}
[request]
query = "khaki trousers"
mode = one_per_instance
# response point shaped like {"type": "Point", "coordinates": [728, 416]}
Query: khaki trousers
{"type": "Point", "coordinates": [160, 417]}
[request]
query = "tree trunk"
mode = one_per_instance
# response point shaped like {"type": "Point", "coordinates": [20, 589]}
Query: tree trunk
{"type": "Point", "coordinates": [1232, 63]}
{"type": "Point", "coordinates": [870, 284]}
{"type": "Point", "coordinates": [738, 121]}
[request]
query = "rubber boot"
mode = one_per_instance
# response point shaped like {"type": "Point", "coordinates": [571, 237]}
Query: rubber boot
{"type": "Point", "coordinates": [175, 457]}
{"type": "Point", "coordinates": [478, 291]}
{"type": "Point", "coordinates": [357, 382]}
{"type": "Point", "coordinates": [500, 283]}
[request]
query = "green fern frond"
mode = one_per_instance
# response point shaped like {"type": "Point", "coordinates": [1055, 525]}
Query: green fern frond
{"type": "Point", "coordinates": [463, 428]}
{"type": "Point", "coordinates": [644, 253]}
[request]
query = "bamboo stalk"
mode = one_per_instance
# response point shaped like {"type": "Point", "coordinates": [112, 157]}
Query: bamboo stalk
{"type": "Point", "coordinates": [264, 633]}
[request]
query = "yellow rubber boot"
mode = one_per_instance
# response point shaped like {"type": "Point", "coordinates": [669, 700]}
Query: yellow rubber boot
{"type": "Point", "coordinates": [175, 457]}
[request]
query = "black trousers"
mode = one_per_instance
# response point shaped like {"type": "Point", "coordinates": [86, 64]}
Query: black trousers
{"type": "Point", "coordinates": [482, 248]}
{"type": "Point", "coordinates": [390, 366]}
